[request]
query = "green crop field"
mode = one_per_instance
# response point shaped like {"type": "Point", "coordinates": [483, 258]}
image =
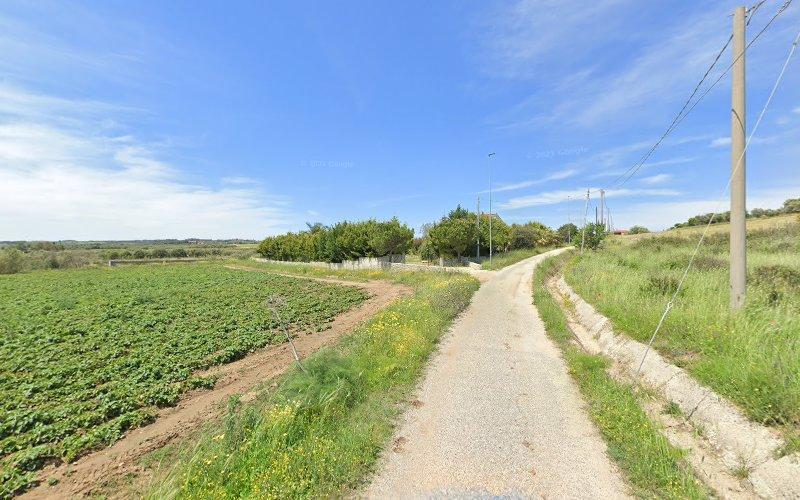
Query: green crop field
{"type": "Point", "coordinates": [87, 354]}
{"type": "Point", "coordinates": [752, 357]}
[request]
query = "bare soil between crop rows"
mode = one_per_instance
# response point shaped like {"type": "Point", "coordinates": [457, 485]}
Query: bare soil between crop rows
{"type": "Point", "coordinates": [102, 472]}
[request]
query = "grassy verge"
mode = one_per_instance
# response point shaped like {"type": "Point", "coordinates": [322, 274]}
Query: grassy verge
{"type": "Point", "coordinates": [752, 357]}
{"type": "Point", "coordinates": [499, 261]}
{"type": "Point", "coordinates": [318, 434]}
{"type": "Point", "coordinates": [653, 467]}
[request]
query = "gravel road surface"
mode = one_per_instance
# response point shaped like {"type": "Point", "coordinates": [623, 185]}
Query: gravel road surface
{"type": "Point", "coordinates": [497, 413]}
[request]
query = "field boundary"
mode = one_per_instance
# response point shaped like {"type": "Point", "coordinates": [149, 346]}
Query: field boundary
{"type": "Point", "coordinates": [371, 263]}
{"type": "Point", "coordinates": [242, 377]}
{"type": "Point", "coordinates": [319, 432]}
{"type": "Point", "coordinates": [739, 441]}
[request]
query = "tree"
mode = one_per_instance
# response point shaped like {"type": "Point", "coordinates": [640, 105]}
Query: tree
{"type": "Point", "coordinates": [592, 234]}
{"type": "Point", "coordinates": [501, 234]}
{"type": "Point", "coordinates": [532, 235]}
{"type": "Point", "coordinates": [391, 238]}
{"type": "Point", "coordinates": [567, 232]}
{"type": "Point", "coordinates": [453, 237]}
{"type": "Point", "coordinates": [342, 241]}
{"type": "Point", "coordinates": [460, 213]}
{"type": "Point", "coordinates": [638, 230]}
{"type": "Point", "coordinates": [791, 206]}
{"type": "Point", "coordinates": [427, 251]}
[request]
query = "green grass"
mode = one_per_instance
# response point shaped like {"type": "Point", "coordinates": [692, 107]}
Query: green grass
{"type": "Point", "coordinates": [752, 357]}
{"type": "Point", "coordinates": [319, 434]}
{"type": "Point", "coordinates": [501, 260]}
{"type": "Point", "coordinates": [653, 467]}
{"type": "Point", "coordinates": [87, 354]}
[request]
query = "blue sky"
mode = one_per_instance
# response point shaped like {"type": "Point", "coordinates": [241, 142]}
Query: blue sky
{"type": "Point", "coordinates": [239, 119]}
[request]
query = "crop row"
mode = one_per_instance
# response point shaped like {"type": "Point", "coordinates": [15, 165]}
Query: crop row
{"type": "Point", "coordinates": [87, 354]}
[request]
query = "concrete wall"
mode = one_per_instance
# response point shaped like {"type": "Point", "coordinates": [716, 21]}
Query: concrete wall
{"type": "Point", "coordinates": [393, 262]}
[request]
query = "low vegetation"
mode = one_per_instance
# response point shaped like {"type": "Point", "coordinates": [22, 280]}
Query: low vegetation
{"type": "Point", "coordinates": [26, 256]}
{"type": "Point", "coordinates": [753, 356]}
{"type": "Point", "coordinates": [652, 466]}
{"type": "Point", "coordinates": [87, 354]}
{"type": "Point", "coordinates": [319, 433]}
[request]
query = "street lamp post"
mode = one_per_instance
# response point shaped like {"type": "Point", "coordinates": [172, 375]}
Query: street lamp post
{"type": "Point", "coordinates": [489, 167]}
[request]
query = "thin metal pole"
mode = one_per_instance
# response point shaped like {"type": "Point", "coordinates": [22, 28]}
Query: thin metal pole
{"type": "Point", "coordinates": [585, 213]}
{"type": "Point", "coordinates": [489, 166]}
{"type": "Point", "coordinates": [478, 226]}
{"type": "Point", "coordinates": [602, 208]}
{"type": "Point", "coordinates": [738, 229]}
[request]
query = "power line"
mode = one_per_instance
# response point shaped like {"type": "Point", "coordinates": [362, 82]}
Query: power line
{"type": "Point", "coordinates": [686, 109]}
{"type": "Point", "coordinates": [722, 198]}
{"type": "Point", "coordinates": [681, 115]}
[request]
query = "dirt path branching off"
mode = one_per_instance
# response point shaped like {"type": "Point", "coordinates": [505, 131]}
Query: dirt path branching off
{"type": "Point", "coordinates": [119, 463]}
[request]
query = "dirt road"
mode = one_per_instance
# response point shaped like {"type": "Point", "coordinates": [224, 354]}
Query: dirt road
{"type": "Point", "coordinates": [497, 413]}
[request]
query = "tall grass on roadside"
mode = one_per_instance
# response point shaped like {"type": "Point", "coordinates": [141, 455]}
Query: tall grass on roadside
{"type": "Point", "coordinates": [752, 357]}
{"type": "Point", "coordinates": [319, 433]}
{"type": "Point", "coordinates": [501, 260]}
{"type": "Point", "coordinates": [653, 467]}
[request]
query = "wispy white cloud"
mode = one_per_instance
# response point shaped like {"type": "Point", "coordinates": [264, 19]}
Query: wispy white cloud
{"type": "Point", "coordinates": [656, 179]}
{"type": "Point", "coordinates": [586, 88]}
{"type": "Point", "coordinates": [63, 174]}
{"type": "Point", "coordinates": [563, 196]}
{"type": "Point", "coordinates": [57, 185]}
{"type": "Point", "coordinates": [239, 180]}
{"type": "Point", "coordinates": [720, 142]}
{"type": "Point", "coordinates": [529, 34]}
{"type": "Point", "coordinates": [555, 176]}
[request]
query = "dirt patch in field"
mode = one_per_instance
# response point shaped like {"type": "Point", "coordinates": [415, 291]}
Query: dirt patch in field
{"type": "Point", "coordinates": [100, 472]}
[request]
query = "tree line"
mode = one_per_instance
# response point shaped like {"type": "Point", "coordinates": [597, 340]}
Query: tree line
{"type": "Point", "coordinates": [458, 234]}
{"type": "Point", "coordinates": [462, 233]}
{"type": "Point", "coordinates": [341, 241]}
{"type": "Point", "coordinates": [790, 206]}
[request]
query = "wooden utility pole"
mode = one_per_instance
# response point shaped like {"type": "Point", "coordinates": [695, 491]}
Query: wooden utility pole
{"type": "Point", "coordinates": [738, 229]}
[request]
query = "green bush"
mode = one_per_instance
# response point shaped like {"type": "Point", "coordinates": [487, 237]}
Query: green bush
{"type": "Point", "coordinates": [178, 253]}
{"type": "Point", "coordinates": [11, 261]}
{"type": "Point", "coordinates": [590, 237]}
{"type": "Point", "coordinates": [532, 235]}
{"type": "Point", "coordinates": [638, 230]}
